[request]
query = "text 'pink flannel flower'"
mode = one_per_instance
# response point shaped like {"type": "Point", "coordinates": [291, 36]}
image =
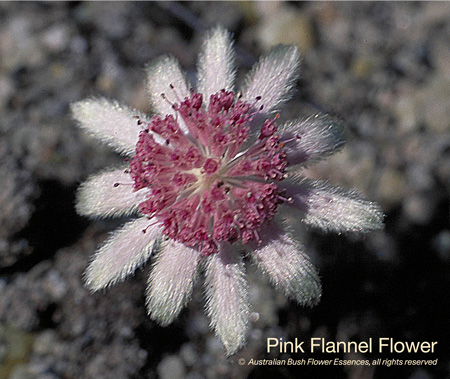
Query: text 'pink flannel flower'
{"type": "Point", "coordinates": [211, 178]}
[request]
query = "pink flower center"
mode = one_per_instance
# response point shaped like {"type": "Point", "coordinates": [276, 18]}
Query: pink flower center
{"type": "Point", "coordinates": [214, 182]}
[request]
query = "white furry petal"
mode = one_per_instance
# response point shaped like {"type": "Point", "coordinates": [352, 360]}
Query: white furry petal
{"type": "Point", "coordinates": [109, 122]}
{"type": "Point", "coordinates": [216, 64]}
{"type": "Point", "coordinates": [171, 281]}
{"type": "Point", "coordinates": [311, 139]}
{"type": "Point", "coordinates": [227, 301]}
{"type": "Point", "coordinates": [272, 77]}
{"type": "Point", "coordinates": [287, 266]}
{"type": "Point", "coordinates": [335, 209]}
{"type": "Point", "coordinates": [100, 196]}
{"type": "Point", "coordinates": [126, 250]}
{"type": "Point", "coordinates": [162, 75]}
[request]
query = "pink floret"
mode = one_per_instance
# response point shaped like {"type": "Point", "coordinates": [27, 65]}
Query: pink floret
{"type": "Point", "coordinates": [205, 187]}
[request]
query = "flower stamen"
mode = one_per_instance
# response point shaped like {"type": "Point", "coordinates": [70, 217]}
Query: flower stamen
{"type": "Point", "coordinates": [205, 188]}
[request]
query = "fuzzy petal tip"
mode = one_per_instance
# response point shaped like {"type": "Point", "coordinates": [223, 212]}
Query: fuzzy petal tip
{"type": "Point", "coordinates": [171, 282]}
{"type": "Point", "coordinates": [227, 302]}
{"type": "Point", "coordinates": [126, 250]}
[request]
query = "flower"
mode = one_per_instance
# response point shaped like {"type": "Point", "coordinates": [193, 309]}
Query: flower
{"type": "Point", "coordinates": [212, 175]}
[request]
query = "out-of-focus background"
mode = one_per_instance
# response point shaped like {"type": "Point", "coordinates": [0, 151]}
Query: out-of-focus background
{"type": "Point", "coordinates": [382, 67]}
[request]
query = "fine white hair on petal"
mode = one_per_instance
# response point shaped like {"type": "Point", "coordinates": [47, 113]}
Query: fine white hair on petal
{"type": "Point", "coordinates": [312, 138]}
{"type": "Point", "coordinates": [216, 64]}
{"type": "Point", "coordinates": [127, 249]}
{"type": "Point", "coordinates": [171, 281]}
{"type": "Point", "coordinates": [272, 77]}
{"type": "Point", "coordinates": [287, 266]}
{"type": "Point", "coordinates": [166, 85]}
{"type": "Point", "coordinates": [227, 302]}
{"type": "Point", "coordinates": [109, 193]}
{"type": "Point", "coordinates": [109, 122]}
{"type": "Point", "coordinates": [335, 209]}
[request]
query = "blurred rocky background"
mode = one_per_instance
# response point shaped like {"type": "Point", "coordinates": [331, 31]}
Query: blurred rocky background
{"type": "Point", "coordinates": [382, 67]}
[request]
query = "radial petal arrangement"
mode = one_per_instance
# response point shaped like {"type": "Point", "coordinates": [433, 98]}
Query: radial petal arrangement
{"type": "Point", "coordinates": [208, 175]}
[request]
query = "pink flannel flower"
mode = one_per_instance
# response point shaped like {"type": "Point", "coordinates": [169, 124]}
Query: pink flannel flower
{"type": "Point", "coordinates": [212, 176]}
